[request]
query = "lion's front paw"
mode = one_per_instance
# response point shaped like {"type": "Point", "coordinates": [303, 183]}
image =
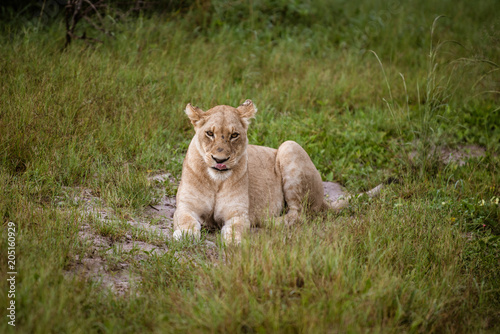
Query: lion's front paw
{"type": "Point", "coordinates": [230, 236]}
{"type": "Point", "coordinates": [181, 234]}
{"type": "Point", "coordinates": [289, 219]}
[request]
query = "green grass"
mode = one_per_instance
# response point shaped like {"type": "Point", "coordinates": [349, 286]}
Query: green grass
{"type": "Point", "coordinates": [423, 257]}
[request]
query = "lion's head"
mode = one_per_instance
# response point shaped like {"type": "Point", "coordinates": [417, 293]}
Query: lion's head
{"type": "Point", "coordinates": [221, 136]}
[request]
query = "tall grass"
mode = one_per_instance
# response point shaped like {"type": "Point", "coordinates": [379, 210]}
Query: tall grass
{"type": "Point", "coordinates": [426, 117]}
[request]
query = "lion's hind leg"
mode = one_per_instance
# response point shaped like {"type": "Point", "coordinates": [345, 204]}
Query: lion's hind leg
{"type": "Point", "coordinates": [300, 180]}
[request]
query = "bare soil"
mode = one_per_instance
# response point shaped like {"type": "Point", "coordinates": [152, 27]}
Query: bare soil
{"type": "Point", "coordinates": [459, 155]}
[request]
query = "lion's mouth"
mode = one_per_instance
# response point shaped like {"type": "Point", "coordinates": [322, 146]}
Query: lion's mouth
{"type": "Point", "coordinates": [220, 167]}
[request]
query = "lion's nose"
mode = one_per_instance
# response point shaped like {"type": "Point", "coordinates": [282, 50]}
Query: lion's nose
{"type": "Point", "coordinates": [219, 161]}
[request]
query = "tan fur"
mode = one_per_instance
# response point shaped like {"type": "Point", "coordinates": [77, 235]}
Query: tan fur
{"type": "Point", "coordinates": [256, 185]}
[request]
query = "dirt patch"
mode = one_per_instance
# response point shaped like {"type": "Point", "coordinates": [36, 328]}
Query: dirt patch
{"type": "Point", "coordinates": [164, 210]}
{"type": "Point", "coordinates": [333, 190]}
{"type": "Point", "coordinates": [97, 270]}
{"type": "Point", "coordinates": [161, 178]}
{"type": "Point", "coordinates": [459, 155]}
{"type": "Point", "coordinates": [108, 258]}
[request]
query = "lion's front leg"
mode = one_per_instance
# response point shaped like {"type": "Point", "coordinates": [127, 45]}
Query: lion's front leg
{"type": "Point", "coordinates": [231, 209]}
{"type": "Point", "coordinates": [186, 225]}
{"type": "Point", "coordinates": [193, 207]}
{"type": "Point", "coordinates": [234, 229]}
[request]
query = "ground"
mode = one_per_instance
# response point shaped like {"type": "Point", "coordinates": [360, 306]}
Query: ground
{"type": "Point", "coordinates": [157, 222]}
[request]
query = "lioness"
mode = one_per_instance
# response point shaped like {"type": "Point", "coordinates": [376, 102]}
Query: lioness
{"type": "Point", "coordinates": [232, 184]}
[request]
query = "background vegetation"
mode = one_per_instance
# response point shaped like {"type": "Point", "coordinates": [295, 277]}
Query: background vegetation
{"type": "Point", "coordinates": [424, 257]}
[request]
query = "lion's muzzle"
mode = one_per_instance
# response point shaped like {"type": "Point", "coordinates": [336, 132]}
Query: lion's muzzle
{"type": "Point", "coordinates": [219, 163]}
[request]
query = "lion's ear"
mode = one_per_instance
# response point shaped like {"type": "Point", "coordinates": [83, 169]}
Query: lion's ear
{"type": "Point", "coordinates": [247, 111]}
{"type": "Point", "coordinates": [195, 114]}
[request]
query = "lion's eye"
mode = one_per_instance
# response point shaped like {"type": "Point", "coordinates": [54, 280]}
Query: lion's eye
{"type": "Point", "coordinates": [234, 135]}
{"type": "Point", "coordinates": [210, 133]}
